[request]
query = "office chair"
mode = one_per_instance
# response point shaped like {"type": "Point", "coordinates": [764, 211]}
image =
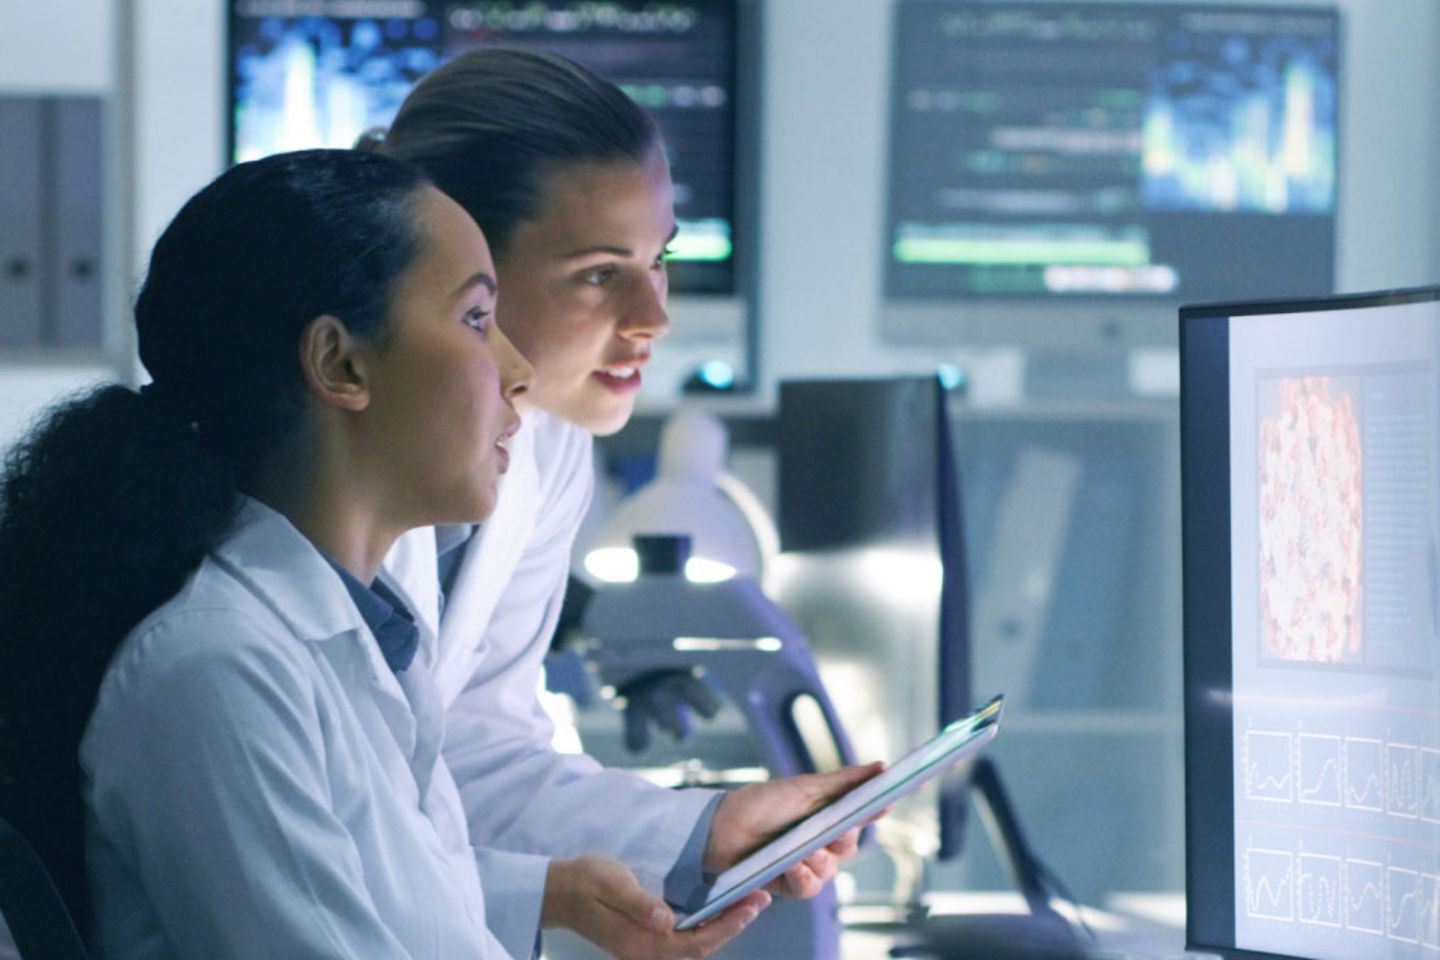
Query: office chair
{"type": "Point", "coordinates": [38, 919]}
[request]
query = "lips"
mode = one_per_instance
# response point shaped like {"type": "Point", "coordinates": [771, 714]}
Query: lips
{"type": "Point", "coordinates": [621, 377]}
{"type": "Point", "coordinates": [502, 447]}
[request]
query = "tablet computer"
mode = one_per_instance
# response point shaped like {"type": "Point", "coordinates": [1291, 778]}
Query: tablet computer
{"type": "Point", "coordinates": [960, 739]}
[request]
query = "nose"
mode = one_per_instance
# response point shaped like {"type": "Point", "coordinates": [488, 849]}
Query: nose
{"type": "Point", "coordinates": [645, 317]}
{"type": "Point", "coordinates": [516, 374]}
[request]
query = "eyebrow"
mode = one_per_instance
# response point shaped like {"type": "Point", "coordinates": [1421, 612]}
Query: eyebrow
{"type": "Point", "coordinates": [616, 251]}
{"type": "Point", "coordinates": [482, 279]}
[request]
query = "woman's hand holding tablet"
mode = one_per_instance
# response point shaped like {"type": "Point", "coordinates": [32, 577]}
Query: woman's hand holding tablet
{"type": "Point", "coordinates": [961, 739]}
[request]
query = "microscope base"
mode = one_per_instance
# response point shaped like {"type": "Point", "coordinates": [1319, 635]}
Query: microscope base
{"type": "Point", "coordinates": [1027, 936]}
{"type": "Point", "coordinates": [799, 929]}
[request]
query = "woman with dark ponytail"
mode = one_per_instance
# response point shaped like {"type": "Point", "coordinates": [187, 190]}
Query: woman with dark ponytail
{"type": "Point", "coordinates": [207, 703]}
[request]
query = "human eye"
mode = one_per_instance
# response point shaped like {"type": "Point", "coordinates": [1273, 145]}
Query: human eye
{"type": "Point", "coordinates": [663, 258]}
{"type": "Point", "coordinates": [599, 276]}
{"type": "Point", "coordinates": [477, 318]}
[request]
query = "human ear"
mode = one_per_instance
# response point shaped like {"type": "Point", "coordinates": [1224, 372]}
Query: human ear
{"type": "Point", "coordinates": [334, 364]}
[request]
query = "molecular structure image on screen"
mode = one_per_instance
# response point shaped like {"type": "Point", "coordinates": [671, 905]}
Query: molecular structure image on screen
{"type": "Point", "coordinates": [1311, 521]}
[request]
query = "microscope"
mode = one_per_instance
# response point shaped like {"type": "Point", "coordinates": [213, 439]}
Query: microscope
{"type": "Point", "coordinates": [728, 633]}
{"type": "Point", "coordinates": [735, 640]}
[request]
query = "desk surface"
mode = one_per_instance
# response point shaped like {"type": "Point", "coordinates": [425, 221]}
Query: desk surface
{"type": "Point", "coordinates": [1129, 927]}
{"type": "Point", "coordinates": [1138, 926]}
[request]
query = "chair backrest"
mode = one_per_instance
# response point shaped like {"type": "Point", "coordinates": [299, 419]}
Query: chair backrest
{"type": "Point", "coordinates": [37, 917]}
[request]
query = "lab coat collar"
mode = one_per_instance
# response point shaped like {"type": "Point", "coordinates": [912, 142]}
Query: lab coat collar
{"type": "Point", "coordinates": [288, 572]}
{"type": "Point", "coordinates": [389, 619]}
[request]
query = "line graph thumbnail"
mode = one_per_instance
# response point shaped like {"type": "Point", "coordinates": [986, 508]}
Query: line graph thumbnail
{"type": "Point", "coordinates": [1403, 897]}
{"type": "Point", "coordinates": [1269, 894]}
{"type": "Point", "coordinates": [1319, 775]}
{"type": "Point", "coordinates": [1428, 907]}
{"type": "Point", "coordinates": [1365, 896]}
{"type": "Point", "coordinates": [1267, 766]}
{"type": "Point", "coordinates": [1430, 778]}
{"type": "Point", "coordinates": [1403, 784]}
{"type": "Point", "coordinates": [1363, 784]}
{"type": "Point", "coordinates": [1317, 886]}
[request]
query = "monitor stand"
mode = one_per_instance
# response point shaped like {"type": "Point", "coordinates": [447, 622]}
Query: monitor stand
{"type": "Point", "coordinates": [1061, 375]}
{"type": "Point", "coordinates": [1041, 934]}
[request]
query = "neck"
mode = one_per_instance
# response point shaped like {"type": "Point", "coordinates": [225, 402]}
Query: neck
{"type": "Point", "coordinates": [334, 511]}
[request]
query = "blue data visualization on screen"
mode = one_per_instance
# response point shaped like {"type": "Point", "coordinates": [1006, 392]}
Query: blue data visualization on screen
{"type": "Point", "coordinates": [1178, 151]}
{"type": "Point", "coordinates": [318, 73]}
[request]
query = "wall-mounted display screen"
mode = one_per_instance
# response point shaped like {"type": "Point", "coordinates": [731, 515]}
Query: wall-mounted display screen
{"type": "Point", "coordinates": [1112, 151]}
{"type": "Point", "coordinates": [308, 73]}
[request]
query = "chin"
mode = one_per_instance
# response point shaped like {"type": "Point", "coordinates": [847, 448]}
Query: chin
{"type": "Point", "coordinates": [600, 419]}
{"type": "Point", "coordinates": [606, 427]}
{"type": "Point", "coordinates": [482, 511]}
{"type": "Point", "coordinates": [481, 503]}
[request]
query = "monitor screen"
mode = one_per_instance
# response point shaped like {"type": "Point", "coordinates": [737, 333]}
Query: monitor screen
{"type": "Point", "coordinates": [318, 73]}
{"type": "Point", "coordinates": [1111, 152]}
{"type": "Point", "coordinates": [1310, 492]}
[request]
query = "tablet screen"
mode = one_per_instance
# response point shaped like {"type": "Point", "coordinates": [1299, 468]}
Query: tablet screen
{"type": "Point", "coordinates": [960, 739]}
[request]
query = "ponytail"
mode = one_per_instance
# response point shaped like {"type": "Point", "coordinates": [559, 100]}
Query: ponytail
{"type": "Point", "coordinates": [105, 508]}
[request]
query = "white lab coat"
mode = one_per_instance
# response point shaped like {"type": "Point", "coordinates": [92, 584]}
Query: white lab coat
{"type": "Point", "coordinates": [519, 793]}
{"type": "Point", "coordinates": [259, 784]}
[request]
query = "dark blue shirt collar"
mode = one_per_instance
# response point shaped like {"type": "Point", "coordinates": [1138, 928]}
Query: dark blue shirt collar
{"type": "Point", "coordinates": [386, 616]}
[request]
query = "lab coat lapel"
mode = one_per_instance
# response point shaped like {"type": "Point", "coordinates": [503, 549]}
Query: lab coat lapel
{"type": "Point", "coordinates": [357, 655]}
{"type": "Point", "coordinates": [283, 569]}
{"type": "Point", "coordinates": [414, 553]}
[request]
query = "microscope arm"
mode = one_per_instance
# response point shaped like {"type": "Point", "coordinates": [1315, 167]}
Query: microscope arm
{"type": "Point", "coordinates": [741, 643]}
{"type": "Point", "coordinates": [790, 717]}
{"type": "Point", "coordinates": [788, 711]}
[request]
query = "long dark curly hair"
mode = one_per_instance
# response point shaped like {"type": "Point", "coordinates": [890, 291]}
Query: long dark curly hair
{"type": "Point", "coordinates": [111, 501]}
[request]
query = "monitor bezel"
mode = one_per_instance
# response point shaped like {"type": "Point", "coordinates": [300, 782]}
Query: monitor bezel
{"type": "Point", "coordinates": [1206, 601]}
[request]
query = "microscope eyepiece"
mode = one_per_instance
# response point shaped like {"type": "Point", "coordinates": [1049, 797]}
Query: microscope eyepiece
{"type": "Point", "coordinates": [661, 553]}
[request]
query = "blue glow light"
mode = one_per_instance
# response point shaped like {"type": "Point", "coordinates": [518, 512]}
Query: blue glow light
{"type": "Point", "coordinates": [950, 376]}
{"type": "Point", "coordinates": [718, 374]}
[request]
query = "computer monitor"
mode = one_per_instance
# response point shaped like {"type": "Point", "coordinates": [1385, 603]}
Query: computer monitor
{"type": "Point", "coordinates": [318, 73]}
{"type": "Point", "coordinates": [872, 529]}
{"type": "Point", "coordinates": [1067, 174]}
{"type": "Point", "coordinates": [1310, 491]}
